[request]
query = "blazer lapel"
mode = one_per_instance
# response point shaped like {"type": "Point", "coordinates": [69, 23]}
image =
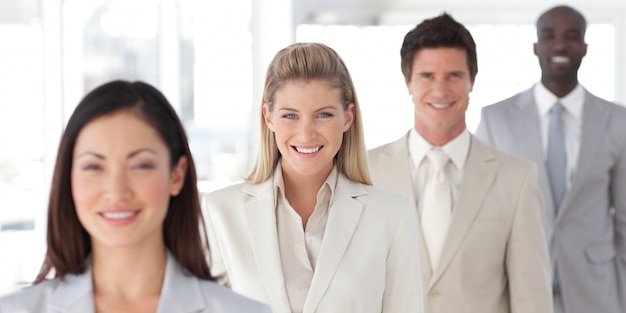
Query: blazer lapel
{"type": "Point", "coordinates": [526, 128]}
{"type": "Point", "coordinates": [478, 176]}
{"type": "Point", "coordinates": [74, 294]}
{"type": "Point", "coordinates": [343, 217]}
{"type": "Point", "coordinates": [595, 121]}
{"type": "Point", "coordinates": [181, 293]}
{"type": "Point", "coordinates": [528, 144]}
{"type": "Point", "coordinates": [396, 160]}
{"type": "Point", "coordinates": [261, 218]}
{"type": "Point", "coordinates": [427, 268]}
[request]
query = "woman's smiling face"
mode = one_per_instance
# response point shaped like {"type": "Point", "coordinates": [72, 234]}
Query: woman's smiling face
{"type": "Point", "coordinates": [308, 120]}
{"type": "Point", "coordinates": [122, 180]}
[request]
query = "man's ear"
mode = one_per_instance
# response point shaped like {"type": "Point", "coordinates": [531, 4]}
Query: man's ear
{"type": "Point", "coordinates": [177, 180]}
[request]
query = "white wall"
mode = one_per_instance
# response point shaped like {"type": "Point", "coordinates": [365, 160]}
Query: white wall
{"type": "Point", "coordinates": [408, 12]}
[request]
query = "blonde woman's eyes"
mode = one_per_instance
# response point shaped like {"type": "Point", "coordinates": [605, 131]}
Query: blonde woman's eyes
{"type": "Point", "coordinates": [291, 116]}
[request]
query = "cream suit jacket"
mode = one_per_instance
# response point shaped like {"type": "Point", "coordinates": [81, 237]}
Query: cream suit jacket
{"type": "Point", "coordinates": [368, 260]}
{"type": "Point", "coordinates": [495, 258]}
{"type": "Point", "coordinates": [181, 293]}
{"type": "Point", "coordinates": [587, 238]}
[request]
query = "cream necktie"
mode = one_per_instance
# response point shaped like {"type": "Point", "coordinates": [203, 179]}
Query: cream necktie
{"type": "Point", "coordinates": [436, 206]}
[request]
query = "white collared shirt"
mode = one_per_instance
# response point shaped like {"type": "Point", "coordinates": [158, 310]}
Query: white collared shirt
{"type": "Point", "coordinates": [572, 122]}
{"type": "Point", "coordinates": [457, 150]}
{"type": "Point", "coordinates": [299, 248]}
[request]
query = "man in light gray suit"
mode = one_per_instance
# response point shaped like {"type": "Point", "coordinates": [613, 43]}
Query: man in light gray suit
{"type": "Point", "coordinates": [482, 245]}
{"type": "Point", "coordinates": [577, 141]}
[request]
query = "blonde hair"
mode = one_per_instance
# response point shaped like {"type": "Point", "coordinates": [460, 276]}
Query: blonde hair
{"type": "Point", "coordinates": [312, 61]}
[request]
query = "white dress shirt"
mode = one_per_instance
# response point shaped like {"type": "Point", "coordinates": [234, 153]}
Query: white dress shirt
{"type": "Point", "coordinates": [572, 122]}
{"type": "Point", "coordinates": [300, 248]}
{"type": "Point", "coordinates": [457, 150]}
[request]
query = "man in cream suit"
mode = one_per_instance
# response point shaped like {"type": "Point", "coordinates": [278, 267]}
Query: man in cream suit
{"type": "Point", "coordinates": [585, 197]}
{"type": "Point", "coordinates": [483, 247]}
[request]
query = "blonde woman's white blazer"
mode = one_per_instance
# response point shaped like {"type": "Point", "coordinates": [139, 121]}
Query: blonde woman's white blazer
{"type": "Point", "coordinates": [181, 293]}
{"type": "Point", "coordinates": [368, 261]}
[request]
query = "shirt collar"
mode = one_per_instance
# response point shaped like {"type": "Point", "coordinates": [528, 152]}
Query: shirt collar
{"type": "Point", "coordinates": [279, 183]}
{"type": "Point", "coordinates": [572, 102]}
{"type": "Point", "coordinates": [456, 149]}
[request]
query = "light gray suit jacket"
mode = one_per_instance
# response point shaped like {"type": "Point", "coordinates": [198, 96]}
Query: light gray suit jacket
{"type": "Point", "coordinates": [368, 260]}
{"type": "Point", "coordinates": [588, 235]}
{"type": "Point", "coordinates": [495, 258]}
{"type": "Point", "coordinates": [181, 293]}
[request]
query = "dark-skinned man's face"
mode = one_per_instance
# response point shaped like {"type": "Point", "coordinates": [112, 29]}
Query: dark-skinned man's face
{"type": "Point", "coordinates": [560, 45]}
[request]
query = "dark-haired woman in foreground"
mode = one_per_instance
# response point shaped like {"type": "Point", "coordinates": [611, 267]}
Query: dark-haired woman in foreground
{"type": "Point", "coordinates": [123, 215]}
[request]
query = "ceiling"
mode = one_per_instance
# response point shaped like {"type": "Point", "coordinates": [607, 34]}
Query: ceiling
{"type": "Point", "coordinates": [372, 12]}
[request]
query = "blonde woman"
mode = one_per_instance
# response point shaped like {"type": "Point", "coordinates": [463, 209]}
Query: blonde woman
{"type": "Point", "coordinates": [307, 232]}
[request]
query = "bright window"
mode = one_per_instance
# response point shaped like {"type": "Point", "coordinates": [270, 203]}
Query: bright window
{"type": "Point", "coordinates": [22, 185]}
{"type": "Point", "coordinates": [197, 52]}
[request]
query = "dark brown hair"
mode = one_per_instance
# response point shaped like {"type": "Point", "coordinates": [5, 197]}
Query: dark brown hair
{"type": "Point", "coordinates": [438, 32]}
{"type": "Point", "coordinates": [68, 243]}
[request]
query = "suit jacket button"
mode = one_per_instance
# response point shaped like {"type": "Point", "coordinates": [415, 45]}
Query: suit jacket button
{"type": "Point", "coordinates": [433, 293]}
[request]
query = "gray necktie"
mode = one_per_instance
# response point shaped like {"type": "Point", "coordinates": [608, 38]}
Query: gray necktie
{"type": "Point", "coordinates": [556, 161]}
